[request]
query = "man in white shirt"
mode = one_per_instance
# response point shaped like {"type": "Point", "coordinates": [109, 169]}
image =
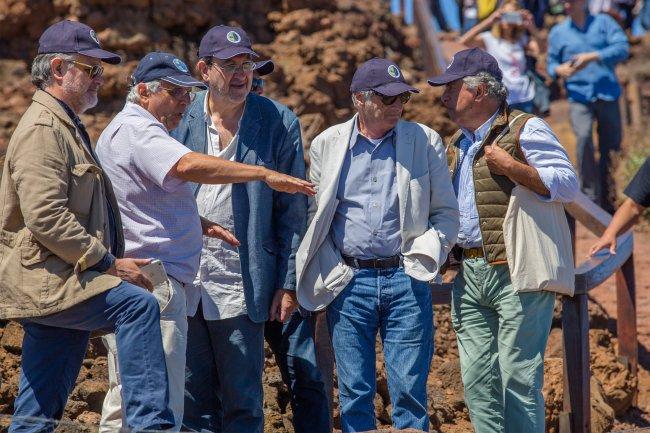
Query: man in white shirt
{"type": "Point", "coordinates": [152, 173]}
{"type": "Point", "coordinates": [238, 290]}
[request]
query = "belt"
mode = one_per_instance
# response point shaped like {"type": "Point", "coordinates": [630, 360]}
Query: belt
{"type": "Point", "coordinates": [380, 263]}
{"type": "Point", "coordinates": [473, 253]}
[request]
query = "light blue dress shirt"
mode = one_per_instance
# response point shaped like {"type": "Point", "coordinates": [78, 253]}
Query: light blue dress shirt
{"type": "Point", "coordinates": [543, 152]}
{"type": "Point", "coordinates": [366, 222]}
{"type": "Point", "coordinates": [597, 80]}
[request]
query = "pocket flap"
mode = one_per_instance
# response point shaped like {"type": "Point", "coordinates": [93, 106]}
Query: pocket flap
{"type": "Point", "coordinates": [81, 169]}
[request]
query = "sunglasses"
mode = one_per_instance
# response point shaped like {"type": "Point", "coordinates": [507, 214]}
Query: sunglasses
{"type": "Point", "coordinates": [390, 100]}
{"type": "Point", "coordinates": [93, 71]}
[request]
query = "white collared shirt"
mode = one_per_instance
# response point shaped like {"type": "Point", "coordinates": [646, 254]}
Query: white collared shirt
{"type": "Point", "coordinates": [219, 284]}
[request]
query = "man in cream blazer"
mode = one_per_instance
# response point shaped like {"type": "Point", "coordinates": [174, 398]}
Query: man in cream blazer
{"type": "Point", "coordinates": [383, 220]}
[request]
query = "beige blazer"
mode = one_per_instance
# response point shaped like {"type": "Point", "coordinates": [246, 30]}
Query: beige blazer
{"type": "Point", "coordinates": [53, 216]}
{"type": "Point", "coordinates": [428, 210]}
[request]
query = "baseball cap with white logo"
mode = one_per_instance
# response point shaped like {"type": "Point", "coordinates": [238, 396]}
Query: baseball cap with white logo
{"type": "Point", "coordinates": [74, 37]}
{"type": "Point", "coordinates": [225, 42]}
{"type": "Point", "coordinates": [382, 76]}
{"type": "Point", "coordinates": [166, 67]}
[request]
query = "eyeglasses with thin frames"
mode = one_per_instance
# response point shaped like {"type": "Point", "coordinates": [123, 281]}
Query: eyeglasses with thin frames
{"type": "Point", "coordinates": [93, 71]}
{"type": "Point", "coordinates": [179, 92]}
{"type": "Point", "coordinates": [231, 68]}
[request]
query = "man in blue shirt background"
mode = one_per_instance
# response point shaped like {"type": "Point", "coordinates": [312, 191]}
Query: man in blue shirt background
{"type": "Point", "coordinates": [584, 50]}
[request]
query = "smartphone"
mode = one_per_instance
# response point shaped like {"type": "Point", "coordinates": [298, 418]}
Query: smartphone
{"type": "Point", "coordinates": [512, 18]}
{"type": "Point", "coordinates": [155, 271]}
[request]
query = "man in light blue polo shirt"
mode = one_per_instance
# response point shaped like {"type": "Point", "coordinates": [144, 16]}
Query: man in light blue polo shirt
{"type": "Point", "coordinates": [584, 50]}
{"type": "Point", "coordinates": [151, 174]}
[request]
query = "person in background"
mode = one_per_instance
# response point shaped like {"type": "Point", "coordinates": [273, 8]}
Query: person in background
{"type": "Point", "coordinates": [638, 199]}
{"type": "Point", "coordinates": [584, 50]}
{"type": "Point", "coordinates": [504, 35]}
{"type": "Point", "coordinates": [292, 343]}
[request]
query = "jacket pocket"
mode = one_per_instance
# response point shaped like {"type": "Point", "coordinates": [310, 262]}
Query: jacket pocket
{"type": "Point", "coordinates": [83, 178]}
{"type": "Point", "coordinates": [32, 251]}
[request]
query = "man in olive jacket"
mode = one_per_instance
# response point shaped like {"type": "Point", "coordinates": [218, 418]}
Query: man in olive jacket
{"type": "Point", "coordinates": [60, 236]}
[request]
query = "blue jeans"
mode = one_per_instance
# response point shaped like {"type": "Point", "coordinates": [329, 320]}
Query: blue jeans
{"type": "Point", "coordinates": [399, 307]}
{"type": "Point", "coordinates": [223, 375]}
{"type": "Point", "coordinates": [293, 346]}
{"type": "Point", "coordinates": [596, 181]}
{"type": "Point", "coordinates": [54, 347]}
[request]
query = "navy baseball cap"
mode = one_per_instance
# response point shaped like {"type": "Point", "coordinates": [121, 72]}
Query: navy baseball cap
{"type": "Point", "coordinates": [265, 67]}
{"type": "Point", "coordinates": [466, 63]}
{"type": "Point", "coordinates": [166, 67]}
{"type": "Point", "coordinates": [382, 76]}
{"type": "Point", "coordinates": [225, 42]}
{"type": "Point", "coordinates": [74, 37]}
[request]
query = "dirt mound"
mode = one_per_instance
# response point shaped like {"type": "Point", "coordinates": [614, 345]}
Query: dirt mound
{"type": "Point", "coordinates": [612, 383]}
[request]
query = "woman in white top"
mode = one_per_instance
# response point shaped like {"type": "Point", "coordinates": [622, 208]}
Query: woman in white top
{"type": "Point", "coordinates": [508, 42]}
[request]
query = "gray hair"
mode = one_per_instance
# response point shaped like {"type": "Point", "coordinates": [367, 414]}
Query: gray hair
{"type": "Point", "coordinates": [495, 88]}
{"type": "Point", "coordinates": [41, 69]}
{"type": "Point", "coordinates": [134, 97]}
{"type": "Point", "coordinates": [367, 94]}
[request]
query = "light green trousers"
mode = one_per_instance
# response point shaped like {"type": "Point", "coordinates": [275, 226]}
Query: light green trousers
{"type": "Point", "coordinates": [501, 340]}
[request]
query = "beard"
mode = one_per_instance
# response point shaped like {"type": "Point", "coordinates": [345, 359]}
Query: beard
{"type": "Point", "coordinates": [85, 96]}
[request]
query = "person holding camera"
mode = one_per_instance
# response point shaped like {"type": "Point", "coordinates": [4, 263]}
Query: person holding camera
{"type": "Point", "coordinates": [584, 50]}
{"type": "Point", "coordinates": [505, 36]}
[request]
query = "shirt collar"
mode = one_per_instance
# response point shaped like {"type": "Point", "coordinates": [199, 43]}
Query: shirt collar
{"type": "Point", "coordinates": [356, 133]}
{"type": "Point", "coordinates": [479, 134]}
{"type": "Point", "coordinates": [137, 110]}
{"type": "Point", "coordinates": [206, 110]}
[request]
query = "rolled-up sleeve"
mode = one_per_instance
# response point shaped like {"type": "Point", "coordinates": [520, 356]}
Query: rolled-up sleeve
{"type": "Point", "coordinates": [544, 152]}
{"type": "Point", "coordinates": [155, 152]}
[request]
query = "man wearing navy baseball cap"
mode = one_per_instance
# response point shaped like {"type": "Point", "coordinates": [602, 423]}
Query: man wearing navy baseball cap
{"type": "Point", "coordinates": [381, 227]}
{"type": "Point", "coordinates": [239, 289]}
{"type": "Point", "coordinates": [62, 272]}
{"type": "Point", "coordinates": [153, 176]}
{"type": "Point", "coordinates": [498, 324]}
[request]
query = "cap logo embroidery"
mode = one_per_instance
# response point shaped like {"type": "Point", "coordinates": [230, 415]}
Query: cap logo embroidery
{"type": "Point", "coordinates": [233, 37]}
{"type": "Point", "coordinates": [451, 62]}
{"type": "Point", "coordinates": [180, 65]}
{"type": "Point", "coordinates": [93, 36]}
{"type": "Point", "coordinates": [393, 71]}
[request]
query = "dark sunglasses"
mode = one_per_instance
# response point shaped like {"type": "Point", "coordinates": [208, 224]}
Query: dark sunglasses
{"type": "Point", "coordinates": [390, 100]}
{"type": "Point", "coordinates": [93, 71]}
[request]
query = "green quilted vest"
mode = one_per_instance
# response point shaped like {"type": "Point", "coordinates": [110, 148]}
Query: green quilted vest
{"type": "Point", "coordinates": [492, 191]}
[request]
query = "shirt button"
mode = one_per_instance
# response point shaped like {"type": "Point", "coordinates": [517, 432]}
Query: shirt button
{"type": "Point", "coordinates": [374, 179]}
{"type": "Point", "coordinates": [374, 232]}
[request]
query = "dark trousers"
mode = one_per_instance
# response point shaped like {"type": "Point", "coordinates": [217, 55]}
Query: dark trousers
{"type": "Point", "coordinates": [292, 344]}
{"type": "Point", "coordinates": [596, 180]}
{"type": "Point", "coordinates": [53, 351]}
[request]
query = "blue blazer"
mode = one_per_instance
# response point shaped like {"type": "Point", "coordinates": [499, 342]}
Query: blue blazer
{"type": "Point", "coordinates": [268, 224]}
